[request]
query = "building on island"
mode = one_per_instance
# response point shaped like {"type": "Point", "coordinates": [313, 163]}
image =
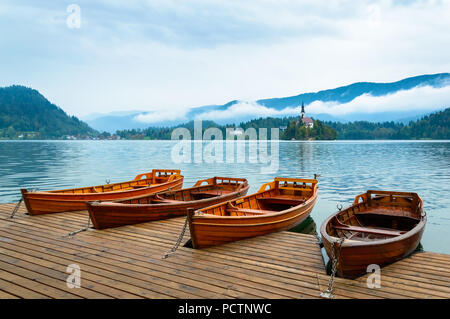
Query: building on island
{"type": "Point", "coordinates": [305, 121]}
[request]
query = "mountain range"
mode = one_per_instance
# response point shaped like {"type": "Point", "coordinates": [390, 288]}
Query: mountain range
{"type": "Point", "coordinates": [24, 112]}
{"type": "Point", "coordinates": [318, 104]}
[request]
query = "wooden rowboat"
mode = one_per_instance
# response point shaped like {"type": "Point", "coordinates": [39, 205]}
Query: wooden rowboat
{"type": "Point", "coordinates": [167, 204]}
{"type": "Point", "coordinates": [278, 205]}
{"type": "Point", "coordinates": [73, 199]}
{"type": "Point", "coordinates": [379, 228]}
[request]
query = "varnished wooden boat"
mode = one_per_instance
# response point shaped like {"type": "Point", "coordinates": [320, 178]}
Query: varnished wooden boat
{"type": "Point", "coordinates": [167, 204]}
{"type": "Point", "coordinates": [73, 199]}
{"type": "Point", "coordinates": [379, 228]}
{"type": "Point", "coordinates": [278, 205]}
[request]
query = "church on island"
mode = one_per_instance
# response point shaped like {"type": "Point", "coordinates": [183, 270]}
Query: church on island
{"type": "Point", "coordinates": [305, 121]}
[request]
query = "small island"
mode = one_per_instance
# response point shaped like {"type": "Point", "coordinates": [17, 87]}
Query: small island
{"type": "Point", "coordinates": [306, 128]}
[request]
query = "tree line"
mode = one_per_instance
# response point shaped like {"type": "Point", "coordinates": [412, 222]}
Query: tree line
{"type": "Point", "coordinates": [433, 126]}
{"type": "Point", "coordinates": [25, 113]}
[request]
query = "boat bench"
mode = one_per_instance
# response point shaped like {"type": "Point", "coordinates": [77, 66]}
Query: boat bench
{"type": "Point", "coordinates": [165, 200]}
{"type": "Point", "coordinates": [211, 193]}
{"type": "Point", "coordinates": [138, 186]}
{"type": "Point", "coordinates": [389, 212]}
{"type": "Point", "coordinates": [281, 200]}
{"type": "Point", "coordinates": [375, 231]}
{"type": "Point", "coordinates": [251, 211]}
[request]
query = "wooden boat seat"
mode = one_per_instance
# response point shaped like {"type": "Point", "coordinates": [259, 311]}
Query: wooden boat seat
{"type": "Point", "coordinates": [252, 211]}
{"type": "Point", "coordinates": [138, 186]}
{"type": "Point", "coordinates": [376, 231]}
{"type": "Point", "coordinates": [388, 212]}
{"type": "Point", "coordinates": [159, 199]}
{"type": "Point", "coordinates": [94, 190]}
{"type": "Point", "coordinates": [211, 193]}
{"type": "Point", "coordinates": [287, 200]}
{"type": "Point", "coordinates": [165, 200]}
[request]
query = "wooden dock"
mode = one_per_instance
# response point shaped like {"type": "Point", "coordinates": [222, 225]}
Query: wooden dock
{"type": "Point", "coordinates": [127, 262]}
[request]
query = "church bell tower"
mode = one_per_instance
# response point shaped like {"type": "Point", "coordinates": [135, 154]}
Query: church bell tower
{"type": "Point", "coordinates": [303, 110]}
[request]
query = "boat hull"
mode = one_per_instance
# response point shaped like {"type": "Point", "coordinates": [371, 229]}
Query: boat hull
{"type": "Point", "coordinates": [213, 230]}
{"type": "Point", "coordinates": [107, 215]}
{"type": "Point", "coordinates": [39, 203]}
{"type": "Point", "coordinates": [377, 231]}
{"type": "Point", "coordinates": [354, 259]}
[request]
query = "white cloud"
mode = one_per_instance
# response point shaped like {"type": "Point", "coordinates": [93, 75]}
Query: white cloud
{"type": "Point", "coordinates": [424, 98]}
{"type": "Point", "coordinates": [243, 109]}
{"type": "Point", "coordinates": [159, 55]}
{"type": "Point", "coordinates": [155, 117]}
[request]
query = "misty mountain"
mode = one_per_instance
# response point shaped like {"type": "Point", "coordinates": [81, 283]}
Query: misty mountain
{"type": "Point", "coordinates": [345, 94]}
{"type": "Point", "coordinates": [340, 95]}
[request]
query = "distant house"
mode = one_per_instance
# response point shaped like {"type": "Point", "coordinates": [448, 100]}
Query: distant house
{"type": "Point", "coordinates": [236, 132]}
{"type": "Point", "coordinates": [283, 128]}
{"type": "Point", "coordinates": [29, 134]}
{"type": "Point", "coordinates": [308, 122]}
{"type": "Point", "coordinates": [305, 121]}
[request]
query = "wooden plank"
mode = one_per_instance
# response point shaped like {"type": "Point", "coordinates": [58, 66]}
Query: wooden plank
{"type": "Point", "coordinates": [370, 230]}
{"type": "Point", "coordinates": [126, 262]}
{"type": "Point", "coordinates": [19, 291]}
{"type": "Point", "coordinates": [183, 266]}
{"type": "Point", "coordinates": [5, 295]}
{"type": "Point", "coordinates": [41, 274]}
{"type": "Point", "coordinates": [196, 260]}
{"type": "Point", "coordinates": [147, 263]}
{"type": "Point", "coordinates": [41, 290]}
{"type": "Point", "coordinates": [103, 271]}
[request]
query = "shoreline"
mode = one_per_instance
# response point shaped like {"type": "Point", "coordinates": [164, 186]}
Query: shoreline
{"type": "Point", "coordinates": [169, 140]}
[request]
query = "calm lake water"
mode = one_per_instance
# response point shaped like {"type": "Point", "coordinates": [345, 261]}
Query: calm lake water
{"type": "Point", "coordinates": [347, 168]}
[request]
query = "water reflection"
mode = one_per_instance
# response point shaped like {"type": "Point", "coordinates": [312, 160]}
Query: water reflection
{"type": "Point", "coordinates": [308, 226]}
{"type": "Point", "coordinates": [347, 168]}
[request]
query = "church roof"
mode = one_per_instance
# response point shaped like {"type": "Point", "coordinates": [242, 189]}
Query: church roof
{"type": "Point", "coordinates": [307, 120]}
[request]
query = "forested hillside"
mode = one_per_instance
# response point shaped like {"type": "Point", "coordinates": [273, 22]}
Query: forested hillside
{"type": "Point", "coordinates": [433, 126]}
{"type": "Point", "coordinates": [25, 113]}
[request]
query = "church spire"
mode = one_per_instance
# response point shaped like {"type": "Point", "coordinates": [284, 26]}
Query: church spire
{"type": "Point", "coordinates": [303, 110]}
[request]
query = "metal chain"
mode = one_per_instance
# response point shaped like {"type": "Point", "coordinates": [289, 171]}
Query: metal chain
{"type": "Point", "coordinates": [334, 262]}
{"type": "Point", "coordinates": [80, 230]}
{"type": "Point", "coordinates": [319, 240]}
{"type": "Point", "coordinates": [16, 208]}
{"type": "Point", "coordinates": [180, 238]}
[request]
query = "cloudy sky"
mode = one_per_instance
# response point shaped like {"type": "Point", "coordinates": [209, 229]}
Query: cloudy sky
{"type": "Point", "coordinates": [169, 55]}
